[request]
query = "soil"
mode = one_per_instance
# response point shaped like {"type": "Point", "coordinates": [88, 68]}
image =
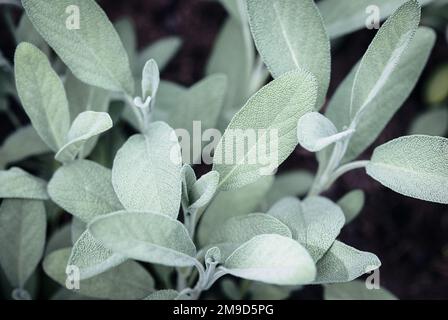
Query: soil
{"type": "Point", "coordinates": [409, 236]}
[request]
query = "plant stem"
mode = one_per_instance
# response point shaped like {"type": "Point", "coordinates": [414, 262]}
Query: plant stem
{"type": "Point", "coordinates": [344, 169]}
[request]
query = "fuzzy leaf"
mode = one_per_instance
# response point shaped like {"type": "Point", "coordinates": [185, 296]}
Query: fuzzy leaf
{"type": "Point", "coordinates": [150, 79]}
{"type": "Point", "coordinates": [145, 236]}
{"type": "Point", "coordinates": [352, 204]}
{"type": "Point", "coordinates": [244, 201]}
{"type": "Point", "coordinates": [343, 263]}
{"type": "Point", "coordinates": [382, 56]}
{"type": "Point", "coordinates": [198, 193]}
{"type": "Point", "coordinates": [289, 35]}
{"type": "Point", "coordinates": [22, 238]}
{"type": "Point", "coordinates": [272, 259]}
{"type": "Point", "coordinates": [84, 189]}
{"type": "Point", "coordinates": [415, 166]}
{"type": "Point", "coordinates": [315, 222]}
{"type": "Point", "coordinates": [270, 117]}
{"type": "Point", "coordinates": [16, 183]}
{"type": "Point", "coordinates": [42, 95]}
{"type": "Point", "coordinates": [97, 58]}
{"type": "Point", "coordinates": [127, 281]}
{"type": "Point", "coordinates": [316, 132]}
{"type": "Point", "coordinates": [148, 180]}
{"type": "Point", "coordinates": [87, 124]}
{"type": "Point", "coordinates": [380, 110]}
{"type": "Point", "coordinates": [355, 290]}
{"type": "Point", "coordinates": [91, 257]}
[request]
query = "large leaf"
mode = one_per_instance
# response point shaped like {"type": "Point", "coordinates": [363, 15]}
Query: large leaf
{"type": "Point", "coordinates": [390, 98]}
{"type": "Point", "coordinates": [315, 222]}
{"type": "Point", "coordinates": [91, 257]}
{"type": "Point", "coordinates": [289, 35]}
{"type": "Point", "coordinates": [268, 121]}
{"type": "Point", "coordinates": [355, 290]}
{"type": "Point", "coordinates": [272, 259]}
{"type": "Point", "coordinates": [23, 143]}
{"type": "Point", "coordinates": [22, 238]}
{"type": "Point", "coordinates": [87, 125]}
{"type": "Point", "coordinates": [416, 166]}
{"type": "Point", "coordinates": [145, 236]}
{"type": "Point", "coordinates": [84, 189]}
{"type": "Point", "coordinates": [244, 201]}
{"type": "Point", "coordinates": [343, 263]}
{"type": "Point", "coordinates": [382, 56]}
{"type": "Point", "coordinates": [146, 174]}
{"type": "Point", "coordinates": [127, 281]}
{"type": "Point", "coordinates": [42, 95]}
{"type": "Point", "coordinates": [93, 52]}
{"type": "Point", "coordinates": [345, 16]}
{"type": "Point", "coordinates": [16, 183]}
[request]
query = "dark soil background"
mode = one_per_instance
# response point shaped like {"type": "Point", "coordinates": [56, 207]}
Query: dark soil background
{"type": "Point", "coordinates": [409, 236]}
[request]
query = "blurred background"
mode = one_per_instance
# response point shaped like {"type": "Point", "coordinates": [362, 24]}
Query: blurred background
{"type": "Point", "coordinates": [409, 236]}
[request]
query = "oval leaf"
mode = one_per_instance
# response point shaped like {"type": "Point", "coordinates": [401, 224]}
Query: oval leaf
{"type": "Point", "coordinates": [272, 259]}
{"type": "Point", "coordinates": [16, 183]}
{"type": "Point", "coordinates": [416, 166]}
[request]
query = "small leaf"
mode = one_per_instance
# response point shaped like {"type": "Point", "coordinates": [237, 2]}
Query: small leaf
{"type": "Point", "coordinates": [343, 263]}
{"type": "Point", "coordinates": [415, 166]}
{"type": "Point", "coordinates": [87, 124]}
{"type": "Point", "coordinates": [244, 201]}
{"type": "Point", "coordinates": [431, 123]}
{"type": "Point", "coordinates": [42, 95]}
{"type": "Point", "coordinates": [198, 193]}
{"type": "Point", "coordinates": [271, 258]}
{"type": "Point", "coordinates": [243, 228]}
{"type": "Point", "coordinates": [16, 183]}
{"type": "Point", "coordinates": [352, 204]}
{"type": "Point", "coordinates": [128, 281]}
{"type": "Point", "coordinates": [162, 51]}
{"type": "Point", "coordinates": [315, 222]}
{"type": "Point", "coordinates": [145, 236]}
{"type": "Point", "coordinates": [23, 143]}
{"type": "Point", "coordinates": [289, 184]}
{"type": "Point", "coordinates": [163, 295]}
{"type": "Point", "coordinates": [355, 290]}
{"type": "Point", "coordinates": [150, 79]}
{"type": "Point", "coordinates": [148, 180]}
{"type": "Point", "coordinates": [315, 132]}
{"type": "Point", "coordinates": [383, 55]}
{"type": "Point", "coordinates": [84, 189]}
{"type": "Point", "coordinates": [91, 257]}
{"type": "Point", "coordinates": [97, 58]}
{"type": "Point", "coordinates": [290, 35]}
{"type": "Point", "coordinates": [22, 238]}
{"type": "Point", "coordinates": [273, 111]}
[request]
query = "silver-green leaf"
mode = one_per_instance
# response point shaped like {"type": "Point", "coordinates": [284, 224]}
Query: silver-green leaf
{"type": "Point", "coordinates": [352, 204]}
{"type": "Point", "coordinates": [355, 290]}
{"type": "Point", "coordinates": [415, 166]}
{"type": "Point", "coordinates": [16, 183]}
